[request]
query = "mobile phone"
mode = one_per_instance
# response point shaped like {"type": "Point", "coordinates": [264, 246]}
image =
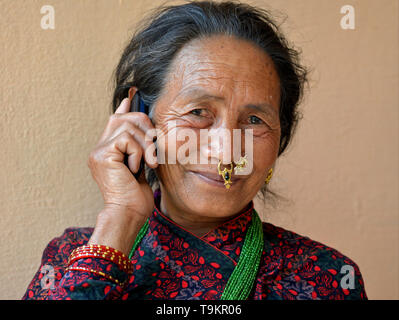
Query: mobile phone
{"type": "Point", "coordinates": [137, 105]}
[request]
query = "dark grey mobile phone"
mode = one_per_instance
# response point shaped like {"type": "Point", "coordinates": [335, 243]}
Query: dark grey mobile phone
{"type": "Point", "coordinates": [137, 105]}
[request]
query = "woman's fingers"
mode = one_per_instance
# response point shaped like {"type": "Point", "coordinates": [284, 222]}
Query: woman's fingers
{"type": "Point", "coordinates": [138, 125]}
{"type": "Point", "coordinates": [124, 107]}
{"type": "Point", "coordinates": [111, 155]}
{"type": "Point", "coordinates": [126, 144]}
{"type": "Point", "coordinates": [138, 119]}
{"type": "Point", "coordinates": [145, 143]}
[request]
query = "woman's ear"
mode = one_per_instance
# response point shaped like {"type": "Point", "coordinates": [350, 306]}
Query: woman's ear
{"type": "Point", "coordinates": [132, 92]}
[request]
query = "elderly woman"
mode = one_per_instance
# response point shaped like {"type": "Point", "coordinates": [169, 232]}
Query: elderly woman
{"type": "Point", "coordinates": [188, 229]}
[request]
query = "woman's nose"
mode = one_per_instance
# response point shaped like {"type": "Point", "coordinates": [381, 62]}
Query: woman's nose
{"type": "Point", "coordinates": [221, 145]}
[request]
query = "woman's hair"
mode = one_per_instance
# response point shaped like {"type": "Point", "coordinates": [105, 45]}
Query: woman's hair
{"type": "Point", "coordinates": [146, 60]}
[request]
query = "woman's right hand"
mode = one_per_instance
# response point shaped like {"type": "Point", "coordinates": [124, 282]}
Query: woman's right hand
{"type": "Point", "coordinates": [127, 202]}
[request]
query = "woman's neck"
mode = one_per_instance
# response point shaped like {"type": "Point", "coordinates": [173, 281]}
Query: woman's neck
{"type": "Point", "coordinates": [196, 224]}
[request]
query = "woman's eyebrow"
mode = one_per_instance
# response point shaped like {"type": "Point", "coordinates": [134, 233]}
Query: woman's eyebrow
{"type": "Point", "coordinates": [265, 108]}
{"type": "Point", "coordinates": [196, 94]}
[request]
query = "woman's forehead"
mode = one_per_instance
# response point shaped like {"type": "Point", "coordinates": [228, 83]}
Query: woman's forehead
{"type": "Point", "coordinates": [224, 62]}
{"type": "Point", "coordinates": [222, 53]}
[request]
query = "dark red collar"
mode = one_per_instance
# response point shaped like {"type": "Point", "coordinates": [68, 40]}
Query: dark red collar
{"type": "Point", "coordinates": [227, 237]}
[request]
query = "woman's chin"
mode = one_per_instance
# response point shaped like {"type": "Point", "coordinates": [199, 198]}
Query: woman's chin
{"type": "Point", "coordinates": [205, 196]}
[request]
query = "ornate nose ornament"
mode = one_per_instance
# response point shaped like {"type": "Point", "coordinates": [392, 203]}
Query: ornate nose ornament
{"type": "Point", "coordinates": [240, 165]}
{"type": "Point", "coordinates": [226, 173]}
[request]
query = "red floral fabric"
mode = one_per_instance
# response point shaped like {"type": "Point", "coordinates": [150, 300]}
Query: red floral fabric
{"type": "Point", "coordinates": [172, 263]}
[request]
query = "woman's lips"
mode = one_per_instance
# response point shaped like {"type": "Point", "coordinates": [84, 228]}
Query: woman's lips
{"type": "Point", "coordinates": [213, 178]}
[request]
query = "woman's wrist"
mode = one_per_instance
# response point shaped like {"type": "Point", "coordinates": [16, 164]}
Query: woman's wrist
{"type": "Point", "coordinates": [117, 227]}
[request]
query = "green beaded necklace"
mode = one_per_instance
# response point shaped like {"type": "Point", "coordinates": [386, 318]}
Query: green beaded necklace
{"type": "Point", "coordinates": [242, 279]}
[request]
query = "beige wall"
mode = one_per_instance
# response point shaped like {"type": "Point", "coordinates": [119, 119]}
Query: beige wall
{"type": "Point", "coordinates": [340, 176]}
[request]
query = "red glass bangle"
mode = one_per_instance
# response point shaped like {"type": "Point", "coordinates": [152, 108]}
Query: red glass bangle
{"type": "Point", "coordinates": [102, 252]}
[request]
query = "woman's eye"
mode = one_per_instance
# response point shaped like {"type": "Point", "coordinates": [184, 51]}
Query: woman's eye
{"type": "Point", "coordinates": [197, 112]}
{"type": "Point", "coordinates": [255, 120]}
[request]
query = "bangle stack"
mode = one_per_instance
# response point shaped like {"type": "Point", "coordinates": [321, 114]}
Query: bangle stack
{"type": "Point", "coordinates": [100, 273]}
{"type": "Point", "coordinates": [100, 252]}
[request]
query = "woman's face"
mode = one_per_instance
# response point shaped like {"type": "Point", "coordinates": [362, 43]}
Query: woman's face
{"type": "Point", "coordinates": [220, 84]}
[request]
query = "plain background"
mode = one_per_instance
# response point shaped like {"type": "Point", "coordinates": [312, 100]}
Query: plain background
{"type": "Point", "coordinates": [339, 176]}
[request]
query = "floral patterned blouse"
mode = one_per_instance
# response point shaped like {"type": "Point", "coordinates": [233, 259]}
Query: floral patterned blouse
{"type": "Point", "coordinates": [172, 263]}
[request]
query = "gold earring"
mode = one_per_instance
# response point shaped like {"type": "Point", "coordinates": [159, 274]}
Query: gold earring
{"type": "Point", "coordinates": [269, 176]}
{"type": "Point", "coordinates": [226, 174]}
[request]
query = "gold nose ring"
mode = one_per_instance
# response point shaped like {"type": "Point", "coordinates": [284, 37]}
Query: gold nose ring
{"type": "Point", "coordinates": [226, 174]}
{"type": "Point", "coordinates": [240, 164]}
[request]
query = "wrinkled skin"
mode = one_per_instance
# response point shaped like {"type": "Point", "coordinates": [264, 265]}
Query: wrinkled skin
{"type": "Point", "coordinates": [241, 74]}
